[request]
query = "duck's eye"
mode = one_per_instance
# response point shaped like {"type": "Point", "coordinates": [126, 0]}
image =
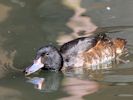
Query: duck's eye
{"type": "Point", "coordinates": [46, 54]}
{"type": "Point", "coordinates": [67, 60]}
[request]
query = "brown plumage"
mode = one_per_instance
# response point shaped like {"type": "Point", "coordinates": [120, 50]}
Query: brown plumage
{"type": "Point", "coordinates": [104, 51]}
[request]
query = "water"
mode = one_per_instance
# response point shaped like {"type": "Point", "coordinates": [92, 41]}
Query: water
{"type": "Point", "coordinates": [27, 25]}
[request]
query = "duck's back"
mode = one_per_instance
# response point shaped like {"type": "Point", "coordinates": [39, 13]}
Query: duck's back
{"type": "Point", "coordinates": [79, 44]}
{"type": "Point", "coordinates": [91, 51]}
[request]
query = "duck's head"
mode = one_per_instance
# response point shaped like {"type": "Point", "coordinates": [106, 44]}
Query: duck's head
{"type": "Point", "coordinates": [47, 57]}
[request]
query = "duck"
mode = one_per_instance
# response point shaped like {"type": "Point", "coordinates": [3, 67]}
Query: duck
{"type": "Point", "coordinates": [84, 51]}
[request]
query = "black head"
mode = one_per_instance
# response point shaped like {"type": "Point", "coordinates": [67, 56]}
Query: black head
{"type": "Point", "coordinates": [47, 57]}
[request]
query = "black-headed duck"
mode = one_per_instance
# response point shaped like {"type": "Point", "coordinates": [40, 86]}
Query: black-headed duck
{"type": "Point", "coordinates": [84, 51]}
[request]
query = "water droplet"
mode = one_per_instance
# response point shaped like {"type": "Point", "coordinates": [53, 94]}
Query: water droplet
{"type": "Point", "coordinates": [108, 8]}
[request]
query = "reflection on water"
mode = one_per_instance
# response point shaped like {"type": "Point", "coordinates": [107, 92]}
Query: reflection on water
{"type": "Point", "coordinates": [19, 2]}
{"type": "Point", "coordinates": [26, 25]}
{"type": "Point", "coordinates": [9, 94]}
{"type": "Point", "coordinates": [6, 58]}
{"type": "Point", "coordinates": [118, 78]}
{"type": "Point", "coordinates": [80, 25]}
{"type": "Point", "coordinates": [77, 88]}
{"type": "Point", "coordinates": [4, 12]}
{"type": "Point", "coordinates": [50, 83]}
{"type": "Point", "coordinates": [38, 82]}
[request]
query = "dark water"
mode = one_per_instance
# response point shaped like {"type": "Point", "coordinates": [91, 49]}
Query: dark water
{"type": "Point", "coordinates": [25, 25]}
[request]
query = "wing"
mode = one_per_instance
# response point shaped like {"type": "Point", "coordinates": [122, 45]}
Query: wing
{"type": "Point", "coordinates": [82, 43]}
{"type": "Point", "coordinates": [79, 44]}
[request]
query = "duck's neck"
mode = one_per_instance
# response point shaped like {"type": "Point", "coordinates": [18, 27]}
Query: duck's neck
{"type": "Point", "coordinates": [61, 61]}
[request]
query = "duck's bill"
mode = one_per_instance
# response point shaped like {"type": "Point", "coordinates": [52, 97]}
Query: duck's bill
{"type": "Point", "coordinates": [37, 65]}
